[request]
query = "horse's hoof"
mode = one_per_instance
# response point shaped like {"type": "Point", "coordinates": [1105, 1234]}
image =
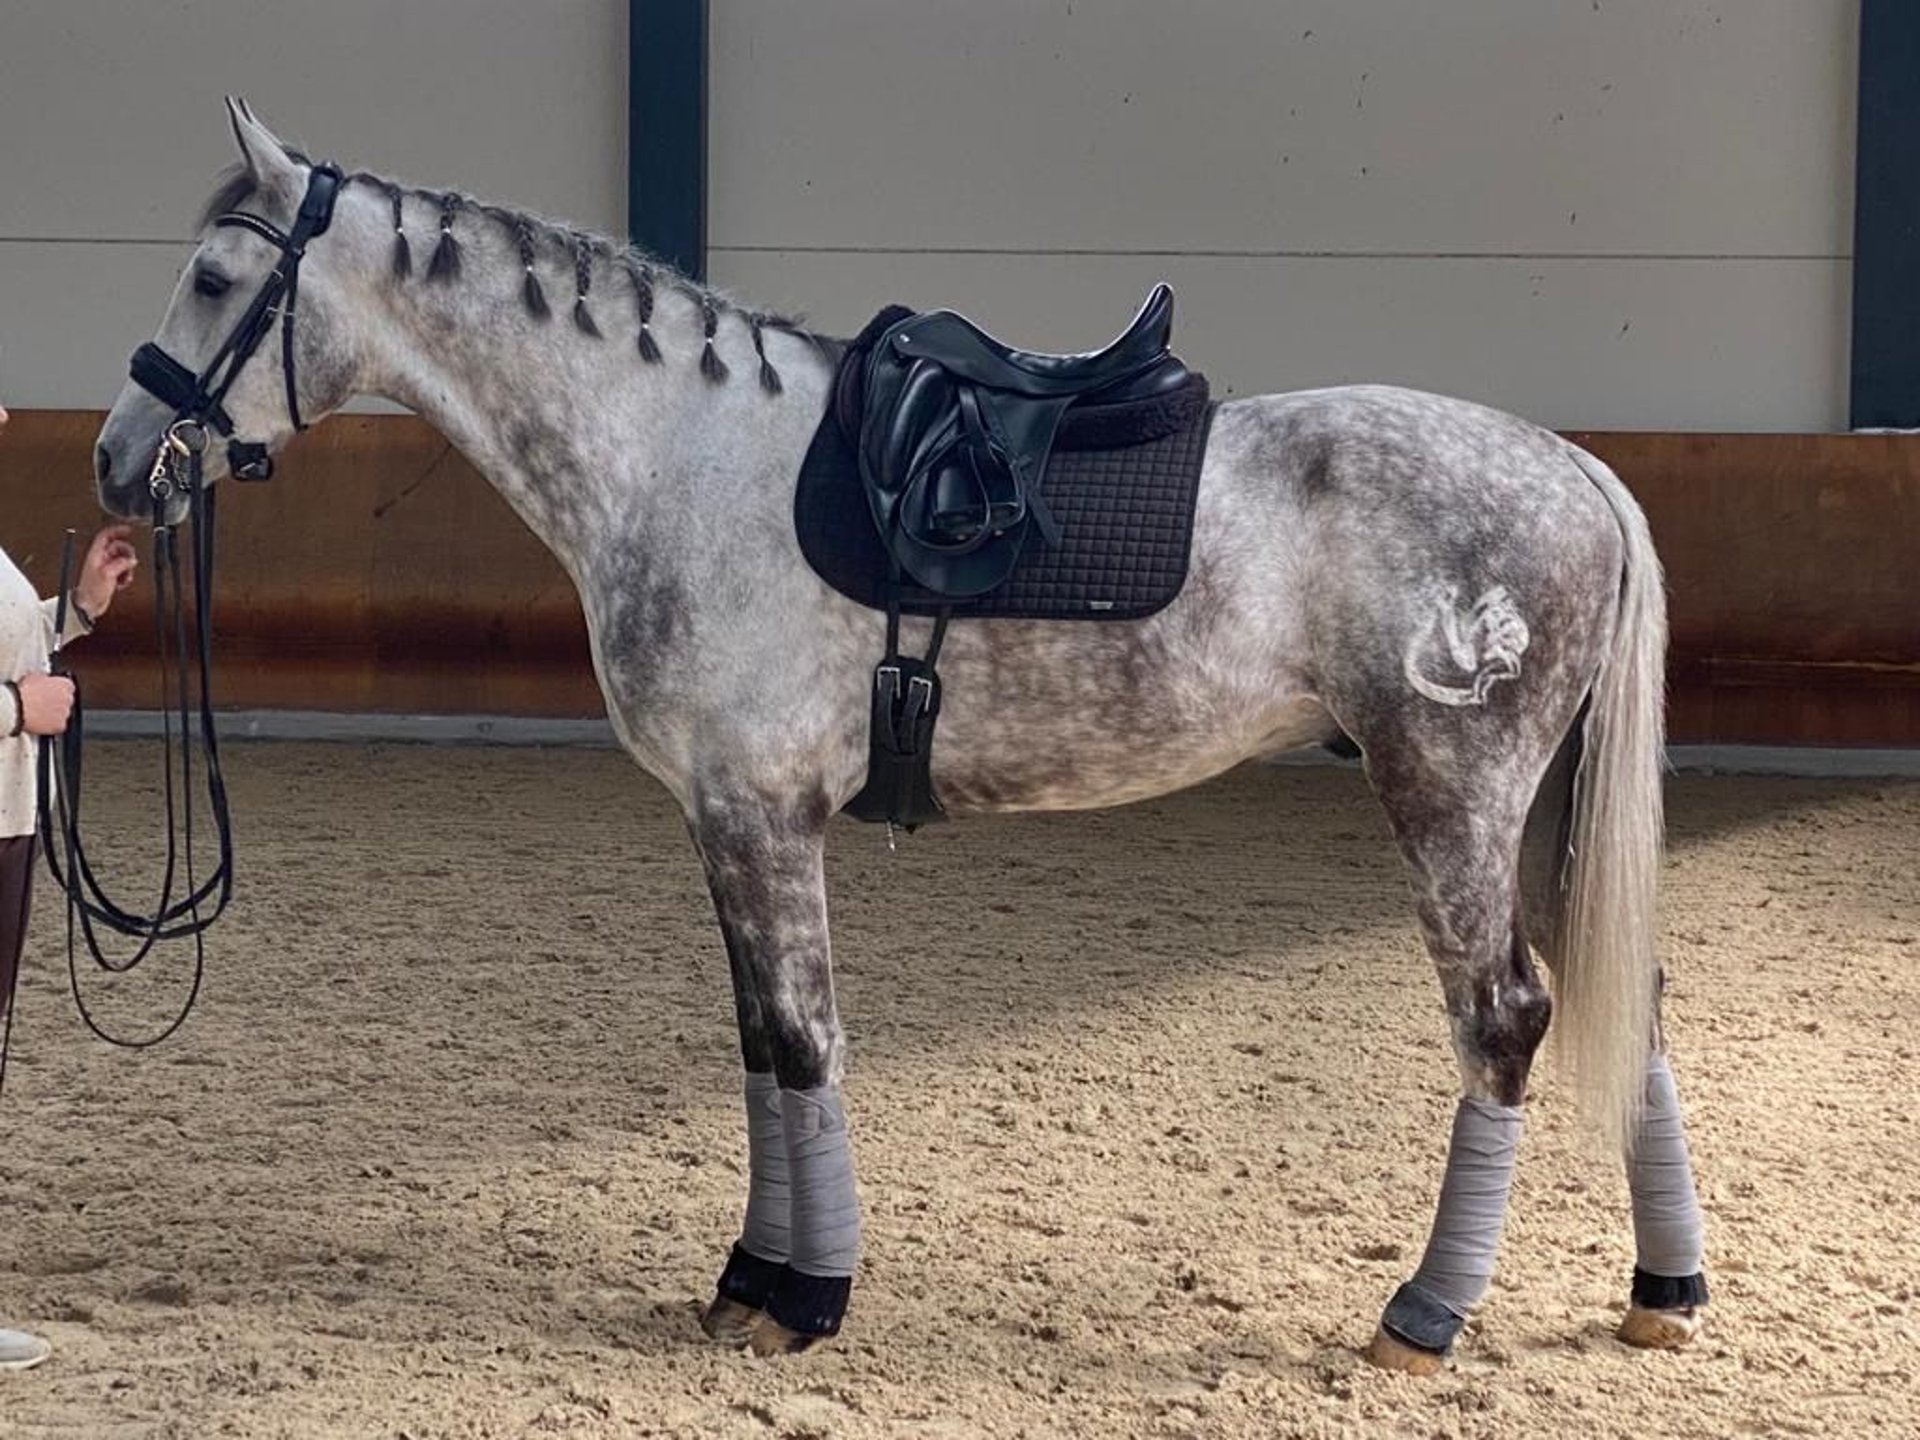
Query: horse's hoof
{"type": "Point", "coordinates": [1391, 1354]}
{"type": "Point", "coordinates": [730, 1322]}
{"type": "Point", "coordinates": [770, 1337]}
{"type": "Point", "coordinates": [1661, 1329]}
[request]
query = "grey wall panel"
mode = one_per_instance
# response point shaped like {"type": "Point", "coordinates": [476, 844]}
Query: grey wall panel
{"type": "Point", "coordinates": [115, 131]}
{"type": "Point", "coordinates": [1657, 193]}
{"type": "Point", "coordinates": [856, 145]}
{"type": "Point", "coordinates": [70, 315]}
{"type": "Point", "coordinates": [1538, 126]}
{"type": "Point", "coordinates": [1754, 344]}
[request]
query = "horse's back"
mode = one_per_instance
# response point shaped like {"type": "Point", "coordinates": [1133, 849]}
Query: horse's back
{"type": "Point", "coordinates": [1385, 442]}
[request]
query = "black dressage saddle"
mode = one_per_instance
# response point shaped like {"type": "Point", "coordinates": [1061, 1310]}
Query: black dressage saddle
{"type": "Point", "coordinates": [956, 428]}
{"type": "Point", "coordinates": [996, 483]}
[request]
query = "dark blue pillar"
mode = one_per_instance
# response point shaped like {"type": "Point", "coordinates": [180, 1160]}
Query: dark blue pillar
{"type": "Point", "coordinates": [667, 131]}
{"type": "Point", "coordinates": [1886, 219]}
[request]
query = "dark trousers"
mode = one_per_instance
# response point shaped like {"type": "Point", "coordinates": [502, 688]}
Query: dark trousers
{"type": "Point", "coordinates": [16, 895]}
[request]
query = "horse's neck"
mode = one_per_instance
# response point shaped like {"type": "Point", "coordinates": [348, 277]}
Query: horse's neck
{"type": "Point", "coordinates": [594, 447]}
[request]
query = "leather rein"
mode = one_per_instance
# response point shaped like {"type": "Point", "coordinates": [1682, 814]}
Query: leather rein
{"type": "Point", "coordinates": [186, 907]}
{"type": "Point", "coordinates": [177, 914]}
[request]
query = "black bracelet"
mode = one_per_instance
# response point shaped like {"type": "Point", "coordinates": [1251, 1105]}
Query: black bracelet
{"type": "Point", "coordinates": [19, 709]}
{"type": "Point", "coordinates": [86, 620]}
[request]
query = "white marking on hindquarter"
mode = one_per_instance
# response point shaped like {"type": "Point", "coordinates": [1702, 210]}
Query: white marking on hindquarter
{"type": "Point", "coordinates": [1474, 648]}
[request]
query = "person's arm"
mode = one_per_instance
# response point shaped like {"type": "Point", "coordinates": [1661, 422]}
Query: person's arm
{"type": "Point", "coordinates": [36, 704]}
{"type": "Point", "coordinates": [106, 571]}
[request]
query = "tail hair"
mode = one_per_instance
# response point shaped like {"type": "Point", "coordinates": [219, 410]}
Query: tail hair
{"type": "Point", "coordinates": [1605, 995]}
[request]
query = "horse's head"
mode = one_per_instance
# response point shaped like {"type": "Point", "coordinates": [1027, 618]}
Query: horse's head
{"type": "Point", "coordinates": [235, 351]}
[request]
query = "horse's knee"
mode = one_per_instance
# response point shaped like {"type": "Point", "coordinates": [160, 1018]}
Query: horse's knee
{"type": "Point", "coordinates": [1499, 1022]}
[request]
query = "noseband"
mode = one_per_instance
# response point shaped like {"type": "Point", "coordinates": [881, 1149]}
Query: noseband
{"type": "Point", "coordinates": [201, 398]}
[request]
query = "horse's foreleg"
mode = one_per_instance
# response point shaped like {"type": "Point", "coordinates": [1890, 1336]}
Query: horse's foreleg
{"type": "Point", "coordinates": [787, 1281]}
{"type": "Point", "coordinates": [1466, 883]}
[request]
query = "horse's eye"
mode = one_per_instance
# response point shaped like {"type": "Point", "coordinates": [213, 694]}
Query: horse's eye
{"type": "Point", "coordinates": [210, 284]}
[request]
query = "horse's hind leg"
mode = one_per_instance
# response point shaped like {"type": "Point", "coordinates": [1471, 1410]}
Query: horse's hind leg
{"type": "Point", "coordinates": [1460, 836]}
{"type": "Point", "coordinates": [787, 1281]}
{"type": "Point", "coordinates": [1669, 1280]}
{"type": "Point", "coordinates": [1669, 1287]}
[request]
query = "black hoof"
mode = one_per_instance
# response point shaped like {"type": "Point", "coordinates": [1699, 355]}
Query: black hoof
{"type": "Point", "coordinates": [748, 1280]}
{"type": "Point", "coordinates": [811, 1306]}
{"type": "Point", "coordinates": [1416, 1319]}
{"type": "Point", "coordinates": [1668, 1292]}
{"type": "Point", "coordinates": [774, 1307]}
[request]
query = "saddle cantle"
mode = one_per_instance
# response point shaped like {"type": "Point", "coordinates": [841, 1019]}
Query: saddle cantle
{"type": "Point", "coordinates": [994, 482]}
{"type": "Point", "coordinates": [956, 428]}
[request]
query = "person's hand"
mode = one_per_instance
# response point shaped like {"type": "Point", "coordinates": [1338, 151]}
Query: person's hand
{"type": "Point", "coordinates": [107, 570]}
{"type": "Point", "coordinates": [46, 701]}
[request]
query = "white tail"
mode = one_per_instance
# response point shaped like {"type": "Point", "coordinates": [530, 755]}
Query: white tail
{"type": "Point", "coordinates": [1605, 991]}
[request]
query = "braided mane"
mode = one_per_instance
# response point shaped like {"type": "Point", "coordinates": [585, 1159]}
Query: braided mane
{"type": "Point", "coordinates": [580, 255]}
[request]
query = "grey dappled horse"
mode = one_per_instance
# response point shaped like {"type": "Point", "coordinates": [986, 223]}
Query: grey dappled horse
{"type": "Point", "coordinates": [1472, 600]}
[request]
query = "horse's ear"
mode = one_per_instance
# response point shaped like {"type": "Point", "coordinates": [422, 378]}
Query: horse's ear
{"type": "Point", "coordinates": [267, 159]}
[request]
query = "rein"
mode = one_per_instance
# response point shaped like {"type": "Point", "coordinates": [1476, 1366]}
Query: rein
{"type": "Point", "coordinates": [189, 913]}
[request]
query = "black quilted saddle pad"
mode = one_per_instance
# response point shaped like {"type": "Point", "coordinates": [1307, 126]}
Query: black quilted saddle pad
{"type": "Point", "coordinates": [1125, 510]}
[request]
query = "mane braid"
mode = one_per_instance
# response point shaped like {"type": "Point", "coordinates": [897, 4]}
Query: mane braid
{"type": "Point", "coordinates": [769, 377]}
{"type": "Point", "coordinates": [530, 291]}
{"type": "Point", "coordinates": [642, 277]}
{"type": "Point", "coordinates": [402, 252]}
{"type": "Point", "coordinates": [445, 264]}
{"type": "Point", "coordinates": [711, 365]}
{"type": "Point", "coordinates": [582, 282]}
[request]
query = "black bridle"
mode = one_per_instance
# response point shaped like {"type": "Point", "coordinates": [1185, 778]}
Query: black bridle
{"type": "Point", "coordinates": [198, 403]}
{"type": "Point", "coordinates": [201, 398]}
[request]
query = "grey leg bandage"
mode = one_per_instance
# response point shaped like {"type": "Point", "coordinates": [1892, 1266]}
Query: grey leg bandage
{"type": "Point", "coordinates": [1667, 1231]}
{"type": "Point", "coordinates": [766, 1231]}
{"type": "Point", "coordinates": [1466, 1226]}
{"type": "Point", "coordinates": [824, 1207]}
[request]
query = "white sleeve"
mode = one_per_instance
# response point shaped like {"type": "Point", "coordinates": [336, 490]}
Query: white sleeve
{"type": "Point", "coordinates": [76, 623]}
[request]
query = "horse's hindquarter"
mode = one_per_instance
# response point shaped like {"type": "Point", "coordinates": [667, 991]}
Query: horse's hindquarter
{"type": "Point", "coordinates": [1463, 569]}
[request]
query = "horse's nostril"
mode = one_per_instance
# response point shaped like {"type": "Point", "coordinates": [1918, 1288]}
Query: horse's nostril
{"type": "Point", "coordinates": [102, 464]}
